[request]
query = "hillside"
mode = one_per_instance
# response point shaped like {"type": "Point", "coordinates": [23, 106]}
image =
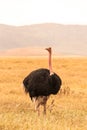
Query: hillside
{"type": "Point", "coordinates": [29, 40]}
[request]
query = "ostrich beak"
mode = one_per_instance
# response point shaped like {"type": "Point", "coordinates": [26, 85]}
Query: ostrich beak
{"type": "Point", "coordinates": [48, 49]}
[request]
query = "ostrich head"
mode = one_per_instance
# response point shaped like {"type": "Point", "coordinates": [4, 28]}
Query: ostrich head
{"type": "Point", "coordinates": [50, 62]}
{"type": "Point", "coordinates": [49, 50]}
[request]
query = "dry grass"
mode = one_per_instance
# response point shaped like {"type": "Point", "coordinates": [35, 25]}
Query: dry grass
{"type": "Point", "coordinates": [65, 111]}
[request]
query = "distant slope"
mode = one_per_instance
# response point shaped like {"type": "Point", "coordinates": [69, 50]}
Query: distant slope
{"type": "Point", "coordinates": [65, 39]}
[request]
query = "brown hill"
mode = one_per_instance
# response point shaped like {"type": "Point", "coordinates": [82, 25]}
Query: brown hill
{"type": "Point", "coordinates": [28, 40]}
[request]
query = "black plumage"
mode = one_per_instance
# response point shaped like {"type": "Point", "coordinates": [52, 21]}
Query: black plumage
{"type": "Point", "coordinates": [41, 83]}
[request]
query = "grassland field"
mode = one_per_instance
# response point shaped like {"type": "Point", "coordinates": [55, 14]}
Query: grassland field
{"type": "Point", "coordinates": [69, 110]}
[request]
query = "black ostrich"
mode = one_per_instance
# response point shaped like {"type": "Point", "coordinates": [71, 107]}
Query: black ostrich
{"type": "Point", "coordinates": [41, 83]}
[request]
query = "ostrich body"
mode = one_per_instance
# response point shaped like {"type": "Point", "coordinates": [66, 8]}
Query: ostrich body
{"type": "Point", "coordinates": [41, 83]}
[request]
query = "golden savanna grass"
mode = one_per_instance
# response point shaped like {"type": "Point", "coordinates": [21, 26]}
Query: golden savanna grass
{"type": "Point", "coordinates": [65, 111]}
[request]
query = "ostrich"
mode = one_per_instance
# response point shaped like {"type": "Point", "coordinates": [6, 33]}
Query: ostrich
{"type": "Point", "coordinates": [41, 83]}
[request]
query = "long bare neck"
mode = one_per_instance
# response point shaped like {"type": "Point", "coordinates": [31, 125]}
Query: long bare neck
{"type": "Point", "coordinates": [50, 62]}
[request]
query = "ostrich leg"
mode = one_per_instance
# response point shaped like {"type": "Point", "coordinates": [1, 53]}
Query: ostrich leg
{"type": "Point", "coordinates": [36, 104]}
{"type": "Point", "coordinates": [45, 98]}
{"type": "Point", "coordinates": [41, 100]}
{"type": "Point", "coordinates": [34, 100]}
{"type": "Point", "coordinates": [44, 112]}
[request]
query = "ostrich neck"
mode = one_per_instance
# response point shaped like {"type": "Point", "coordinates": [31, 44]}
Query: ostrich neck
{"type": "Point", "coordinates": [50, 63]}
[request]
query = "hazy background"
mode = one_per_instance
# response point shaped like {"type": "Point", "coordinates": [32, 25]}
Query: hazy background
{"type": "Point", "coordinates": [28, 26]}
{"type": "Point", "coordinates": [31, 40]}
